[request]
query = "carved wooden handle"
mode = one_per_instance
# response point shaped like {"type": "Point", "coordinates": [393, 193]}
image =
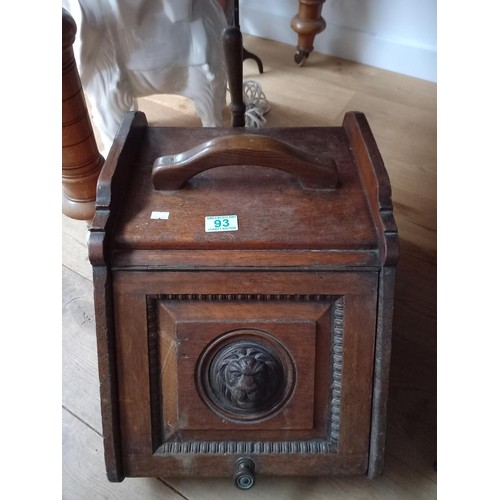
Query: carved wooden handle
{"type": "Point", "coordinates": [314, 172]}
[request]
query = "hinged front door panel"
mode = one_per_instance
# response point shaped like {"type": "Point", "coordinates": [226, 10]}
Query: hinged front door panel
{"type": "Point", "coordinates": [213, 366]}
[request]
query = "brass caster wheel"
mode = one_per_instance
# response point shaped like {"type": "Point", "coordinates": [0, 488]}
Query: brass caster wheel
{"type": "Point", "coordinates": [301, 56]}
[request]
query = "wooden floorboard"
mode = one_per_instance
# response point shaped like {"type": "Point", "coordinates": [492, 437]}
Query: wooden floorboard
{"type": "Point", "coordinates": [400, 482]}
{"type": "Point", "coordinates": [402, 114]}
{"type": "Point", "coordinates": [80, 394]}
{"type": "Point", "coordinates": [83, 475]}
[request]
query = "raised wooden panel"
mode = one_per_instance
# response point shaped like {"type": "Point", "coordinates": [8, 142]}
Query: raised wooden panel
{"type": "Point", "coordinates": [190, 333]}
{"type": "Point", "coordinates": [168, 343]}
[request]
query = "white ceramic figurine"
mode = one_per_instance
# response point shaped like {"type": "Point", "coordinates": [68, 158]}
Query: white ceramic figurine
{"type": "Point", "coordinates": [127, 49]}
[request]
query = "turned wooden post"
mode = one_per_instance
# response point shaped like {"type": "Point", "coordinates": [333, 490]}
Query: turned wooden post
{"type": "Point", "coordinates": [232, 41]}
{"type": "Point", "coordinates": [307, 24]}
{"type": "Point", "coordinates": [81, 160]}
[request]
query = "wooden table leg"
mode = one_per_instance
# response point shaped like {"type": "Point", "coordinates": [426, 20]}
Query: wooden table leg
{"type": "Point", "coordinates": [81, 160]}
{"type": "Point", "coordinates": [307, 24]}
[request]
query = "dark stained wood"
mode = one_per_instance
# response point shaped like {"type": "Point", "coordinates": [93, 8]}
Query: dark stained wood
{"type": "Point", "coordinates": [232, 10]}
{"type": "Point", "coordinates": [232, 42]}
{"type": "Point", "coordinates": [374, 174]}
{"type": "Point", "coordinates": [229, 260]}
{"type": "Point", "coordinates": [106, 356]}
{"type": "Point", "coordinates": [113, 183]}
{"type": "Point", "coordinates": [357, 372]}
{"type": "Point", "coordinates": [383, 344]}
{"type": "Point", "coordinates": [307, 24]}
{"type": "Point", "coordinates": [114, 175]}
{"type": "Point", "coordinates": [313, 172]}
{"type": "Point", "coordinates": [269, 203]}
{"type": "Point", "coordinates": [375, 178]}
{"type": "Point", "coordinates": [218, 465]}
{"type": "Point", "coordinates": [194, 324]}
{"type": "Point", "coordinates": [254, 57]}
{"type": "Point", "coordinates": [261, 282]}
{"type": "Point", "coordinates": [81, 160]}
{"type": "Point", "coordinates": [235, 54]}
{"type": "Point", "coordinates": [176, 335]}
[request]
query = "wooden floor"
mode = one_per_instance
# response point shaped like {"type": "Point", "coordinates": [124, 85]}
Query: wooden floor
{"type": "Point", "coordinates": [402, 113]}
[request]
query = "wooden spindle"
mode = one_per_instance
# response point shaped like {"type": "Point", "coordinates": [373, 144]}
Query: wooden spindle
{"type": "Point", "coordinates": [232, 41]}
{"type": "Point", "coordinates": [81, 160]}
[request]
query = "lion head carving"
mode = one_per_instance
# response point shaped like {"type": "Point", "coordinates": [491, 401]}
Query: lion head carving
{"type": "Point", "coordinates": [247, 377]}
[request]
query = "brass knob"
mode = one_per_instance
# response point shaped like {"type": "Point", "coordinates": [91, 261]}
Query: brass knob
{"type": "Point", "coordinates": [244, 477]}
